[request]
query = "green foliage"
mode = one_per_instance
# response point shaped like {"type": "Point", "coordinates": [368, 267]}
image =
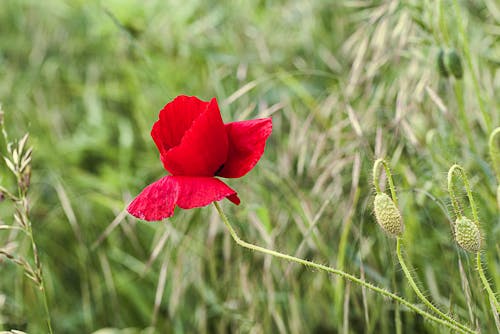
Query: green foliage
{"type": "Point", "coordinates": [346, 82]}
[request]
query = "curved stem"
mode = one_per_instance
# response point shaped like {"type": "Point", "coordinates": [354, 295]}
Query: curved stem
{"type": "Point", "coordinates": [420, 294]}
{"type": "Point", "coordinates": [331, 270]}
{"type": "Point", "coordinates": [376, 176]}
{"type": "Point", "coordinates": [451, 190]}
{"type": "Point", "coordinates": [458, 169]}
{"type": "Point", "coordinates": [486, 284]}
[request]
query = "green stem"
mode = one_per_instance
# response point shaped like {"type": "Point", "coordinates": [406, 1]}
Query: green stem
{"type": "Point", "coordinates": [451, 190]}
{"type": "Point", "coordinates": [376, 176]}
{"type": "Point", "coordinates": [486, 284]}
{"type": "Point", "coordinates": [340, 273]}
{"type": "Point", "coordinates": [461, 172]}
{"type": "Point", "coordinates": [41, 282]}
{"type": "Point", "coordinates": [420, 294]}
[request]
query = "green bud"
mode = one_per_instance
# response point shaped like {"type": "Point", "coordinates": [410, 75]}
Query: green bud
{"type": "Point", "coordinates": [388, 215]}
{"type": "Point", "coordinates": [454, 64]}
{"type": "Point", "coordinates": [467, 235]}
{"type": "Point", "coordinates": [441, 66]}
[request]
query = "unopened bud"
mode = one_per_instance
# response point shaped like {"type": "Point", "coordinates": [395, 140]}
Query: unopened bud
{"type": "Point", "coordinates": [441, 66]}
{"type": "Point", "coordinates": [388, 215]}
{"type": "Point", "coordinates": [454, 64]}
{"type": "Point", "coordinates": [467, 235]}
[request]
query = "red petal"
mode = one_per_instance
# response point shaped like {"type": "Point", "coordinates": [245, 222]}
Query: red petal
{"type": "Point", "coordinates": [174, 120]}
{"type": "Point", "coordinates": [247, 141]}
{"type": "Point", "coordinates": [204, 147]}
{"type": "Point", "coordinates": [156, 201]}
{"type": "Point", "coordinates": [200, 191]}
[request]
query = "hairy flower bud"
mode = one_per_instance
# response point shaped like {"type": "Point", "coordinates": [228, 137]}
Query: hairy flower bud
{"type": "Point", "coordinates": [467, 235]}
{"type": "Point", "coordinates": [454, 64]}
{"type": "Point", "coordinates": [388, 215]}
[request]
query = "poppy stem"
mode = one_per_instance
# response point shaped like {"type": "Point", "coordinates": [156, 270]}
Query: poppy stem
{"type": "Point", "coordinates": [420, 294]}
{"type": "Point", "coordinates": [334, 271]}
{"type": "Point", "coordinates": [376, 177]}
{"type": "Point", "coordinates": [457, 170]}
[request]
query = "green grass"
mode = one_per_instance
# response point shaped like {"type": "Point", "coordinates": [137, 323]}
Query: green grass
{"type": "Point", "coordinates": [346, 82]}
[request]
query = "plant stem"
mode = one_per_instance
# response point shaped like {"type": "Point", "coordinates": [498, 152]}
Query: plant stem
{"type": "Point", "coordinates": [376, 176]}
{"type": "Point", "coordinates": [461, 172]}
{"type": "Point", "coordinates": [420, 294]}
{"type": "Point", "coordinates": [486, 284]}
{"type": "Point", "coordinates": [451, 190]}
{"type": "Point", "coordinates": [331, 270]}
{"type": "Point", "coordinates": [39, 274]}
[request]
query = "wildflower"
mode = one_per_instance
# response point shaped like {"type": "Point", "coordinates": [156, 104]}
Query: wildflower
{"type": "Point", "coordinates": [196, 146]}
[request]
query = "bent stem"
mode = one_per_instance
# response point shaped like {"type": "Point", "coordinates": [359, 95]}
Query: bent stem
{"type": "Point", "coordinates": [421, 295]}
{"type": "Point", "coordinates": [337, 272]}
{"type": "Point", "coordinates": [457, 169]}
{"type": "Point", "coordinates": [454, 170]}
{"type": "Point", "coordinates": [376, 176]}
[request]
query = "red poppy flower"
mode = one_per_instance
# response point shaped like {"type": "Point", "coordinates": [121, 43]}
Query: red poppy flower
{"type": "Point", "coordinates": [195, 146]}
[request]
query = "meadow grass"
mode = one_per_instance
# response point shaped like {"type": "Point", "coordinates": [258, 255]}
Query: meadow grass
{"type": "Point", "coordinates": [346, 82]}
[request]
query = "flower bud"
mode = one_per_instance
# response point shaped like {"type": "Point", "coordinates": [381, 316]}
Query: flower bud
{"type": "Point", "coordinates": [454, 64]}
{"type": "Point", "coordinates": [388, 215]}
{"type": "Point", "coordinates": [467, 235]}
{"type": "Point", "coordinates": [441, 66]}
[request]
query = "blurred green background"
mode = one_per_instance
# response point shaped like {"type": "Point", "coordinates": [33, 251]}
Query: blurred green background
{"type": "Point", "coordinates": [345, 81]}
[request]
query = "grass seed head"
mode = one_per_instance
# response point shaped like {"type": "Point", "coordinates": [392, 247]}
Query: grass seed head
{"type": "Point", "coordinates": [388, 215]}
{"type": "Point", "coordinates": [467, 235]}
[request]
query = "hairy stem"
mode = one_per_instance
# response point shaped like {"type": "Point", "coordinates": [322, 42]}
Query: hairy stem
{"type": "Point", "coordinates": [420, 295]}
{"type": "Point", "coordinates": [337, 272]}
{"type": "Point", "coordinates": [457, 169]}
{"type": "Point", "coordinates": [486, 284]}
{"type": "Point", "coordinates": [376, 176]}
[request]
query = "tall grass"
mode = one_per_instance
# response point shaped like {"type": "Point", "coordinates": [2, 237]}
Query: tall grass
{"type": "Point", "coordinates": [346, 82]}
